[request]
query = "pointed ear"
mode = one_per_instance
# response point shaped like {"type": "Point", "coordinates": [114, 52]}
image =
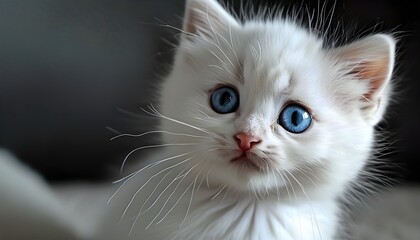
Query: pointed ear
{"type": "Point", "coordinates": [206, 18]}
{"type": "Point", "coordinates": [371, 61]}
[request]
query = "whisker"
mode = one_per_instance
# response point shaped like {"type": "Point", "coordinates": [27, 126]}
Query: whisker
{"type": "Point", "coordinates": [189, 204]}
{"type": "Point", "coordinates": [301, 171]}
{"type": "Point", "coordinates": [180, 175]}
{"type": "Point", "coordinates": [217, 194]}
{"type": "Point", "coordinates": [151, 132]}
{"type": "Point", "coordinates": [153, 146]}
{"type": "Point", "coordinates": [224, 196]}
{"type": "Point", "coordinates": [202, 179]}
{"type": "Point", "coordinates": [294, 193]}
{"type": "Point", "coordinates": [139, 213]}
{"type": "Point", "coordinates": [167, 200]}
{"type": "Point", "coordinates": [158, 114]}
{"type": "Point", "coordinates": [306, 196]}
{"type": "Point", "coordinates": [285, 184]}
{"type": "Point", "coordinates": [207, 177]}
{"type": "Point", "coordinates": [153, 176]}
{"type": "Point", "coordinates": [154, 190]}
{"type": "Point", "coordinates": [131, 175]}
{"type": "Point", "coordinates": [277, 186]}
{"type": "Point", "coordinates": [176, 203]}
{"type": "Point", "coordinates": [181, 196]}
{"type": "Point", "coordinates": [151, 165]}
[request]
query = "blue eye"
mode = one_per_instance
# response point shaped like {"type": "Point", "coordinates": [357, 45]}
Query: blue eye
{"type": "Point", "coordinates": [295, 118]}
{"type": "Point", "coordinates": [224, 100]}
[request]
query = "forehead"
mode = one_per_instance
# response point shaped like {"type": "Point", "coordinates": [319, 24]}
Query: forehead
{"type": "Point", "coordinates": [278, 57]}
{"type": "Point", "coordinates": [273, 60]}
{"type": "Point", "coordinates": [279, 66]}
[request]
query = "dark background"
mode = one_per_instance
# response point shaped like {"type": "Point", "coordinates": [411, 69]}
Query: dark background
{"type": "Point", "coordinates": [71, 70]}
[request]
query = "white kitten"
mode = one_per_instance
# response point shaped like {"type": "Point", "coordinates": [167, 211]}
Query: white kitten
{"type": "Point", "coordinates": [265, 128]}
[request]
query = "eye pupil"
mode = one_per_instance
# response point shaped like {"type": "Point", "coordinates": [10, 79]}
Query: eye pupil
{"type": "Point", "coordinates": [224, 100]}
{"type": "Point", "coordinates": [295, 118]}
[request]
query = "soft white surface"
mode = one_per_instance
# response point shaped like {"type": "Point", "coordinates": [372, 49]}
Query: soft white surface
{"type": "Point", "coordinates": [394, 215]}
{"type": "Point", "coordinates": [28, 207]}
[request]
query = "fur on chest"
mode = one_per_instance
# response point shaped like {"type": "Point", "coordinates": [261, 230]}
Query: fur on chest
{"type": "Point", "coordinates": [238, 217]}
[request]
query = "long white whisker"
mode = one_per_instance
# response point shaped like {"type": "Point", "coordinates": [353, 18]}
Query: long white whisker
{"type": "Point", "coordinates": [151, 165]}
{"type": "Point", "coordinates": [167, 200]}
{"type": "Point", "coordinates": [304, 192]}
{"type": "Point", "coordinates": [202, 179]}
{"type": "Point", "coordinates": [217, 194]}
{"type": "Point", "coordinates": [207, 178]}
{"type": "Point", "coordinates": [179, 198]}
{"type": "Point", "coordinates": [151, 132]}
{"type": "Point", "coordinates": [224, 196]}
{"type": "Point", "coordinates": [189, 204]}
{"type": "Point", "coordinates": [154, 190]}
{"type": "Point", "coordinates": [158, 114]}
{"type": "Point", "coordinates": [277, 186]}
{"type": "Point", "coordinates": [153, 176]}
{"type": "Point", "coordinates": [294, 193]}
{"type": "Point", "coordinates": [285, 184]}
{"type": "Point", "coordinates": [153, 146]}
{"type": "Point", "coordinates": [180, 175]}
{"type": "Point", "coordinates": [131, 175]}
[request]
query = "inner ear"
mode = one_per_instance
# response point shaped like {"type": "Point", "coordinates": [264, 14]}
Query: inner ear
{"type": "Point", "coordinates": [376, 72]}
{"type": "Point", "coordinates": [206, 18]}
{"type": "Point", "coordinates": [371, 60]}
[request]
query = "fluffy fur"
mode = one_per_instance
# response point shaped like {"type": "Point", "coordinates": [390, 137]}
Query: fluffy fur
{"type": "Point", "coordinates": [192, 190]}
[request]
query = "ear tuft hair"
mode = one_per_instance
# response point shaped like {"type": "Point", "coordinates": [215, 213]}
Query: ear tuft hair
{"type": "Point", "coordinates": [206, 18]}
{"type": "Point", "coordinates": [371, 60]}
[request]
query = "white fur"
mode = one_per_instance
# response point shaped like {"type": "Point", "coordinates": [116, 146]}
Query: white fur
{"type": "Point", "coordinates": [200, 194]}
{"type": "Point", "coordinates": [191, 190]}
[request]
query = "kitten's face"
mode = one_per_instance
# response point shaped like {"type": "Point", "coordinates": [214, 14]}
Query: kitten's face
{"type": "Point", "coordinates": [273, 109]}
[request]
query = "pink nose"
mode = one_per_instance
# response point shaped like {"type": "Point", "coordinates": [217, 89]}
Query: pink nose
{"type": "Point", "coordinates": [245, 141]}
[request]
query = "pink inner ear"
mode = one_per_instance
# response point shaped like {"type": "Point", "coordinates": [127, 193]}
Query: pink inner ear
{"type": "Point", "coordinates": [375, 72]}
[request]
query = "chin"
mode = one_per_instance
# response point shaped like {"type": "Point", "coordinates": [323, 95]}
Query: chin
{"type": "Point", "coordinates": [244, 172]}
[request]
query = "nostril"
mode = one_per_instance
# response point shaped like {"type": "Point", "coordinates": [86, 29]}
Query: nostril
{"type": "Point", "coordinates": [255, 142]}
{"type": "Point", "coordinates": [245, 141]}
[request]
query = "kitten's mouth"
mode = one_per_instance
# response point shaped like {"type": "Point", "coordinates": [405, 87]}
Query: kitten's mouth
{"type": "Point", "coordinates": [248, 160]}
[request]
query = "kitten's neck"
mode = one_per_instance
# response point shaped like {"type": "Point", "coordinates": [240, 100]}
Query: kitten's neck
{"type": "Point", "coordinates": [236, 215]}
